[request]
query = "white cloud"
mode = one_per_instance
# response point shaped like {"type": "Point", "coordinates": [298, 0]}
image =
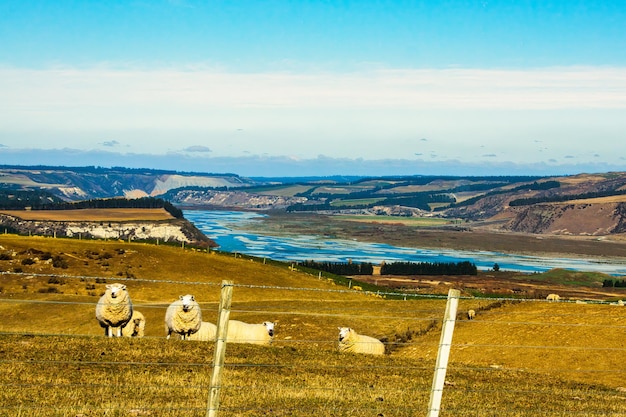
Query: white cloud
{"type": "Point", "coordinates": [303, 114]}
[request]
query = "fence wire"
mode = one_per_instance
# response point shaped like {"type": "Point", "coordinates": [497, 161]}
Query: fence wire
{"type": "Point", "coordinates": [78, 372]}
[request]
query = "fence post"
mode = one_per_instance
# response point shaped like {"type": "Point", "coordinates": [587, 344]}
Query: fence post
{"type": "Point", "coordinates": [226, 297]}
{"type": "Point", "coordinates": [445, 343]}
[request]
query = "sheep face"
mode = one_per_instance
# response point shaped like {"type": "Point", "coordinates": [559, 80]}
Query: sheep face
{"type": "Point", "coordinates": [115, 289]}
{"type": "Point", "coordinates": [344, 332]}
{"type": "Point", "coordinates": [188, 302]}
{"type": "Point", "coordinates": [270, 327]}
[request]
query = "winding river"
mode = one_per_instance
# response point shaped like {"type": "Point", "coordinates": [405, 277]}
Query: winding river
{"type": "Point", "coordinates": [228, 230]}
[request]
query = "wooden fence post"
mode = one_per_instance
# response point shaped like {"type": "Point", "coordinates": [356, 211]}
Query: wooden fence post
{"type": "Point", "coordinates": [445, 343]}
{"type": "Point", "coordinates": [226, 297]}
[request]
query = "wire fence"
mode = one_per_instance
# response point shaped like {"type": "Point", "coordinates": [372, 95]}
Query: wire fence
{"type": "Point", "coordinates": [516, 357]}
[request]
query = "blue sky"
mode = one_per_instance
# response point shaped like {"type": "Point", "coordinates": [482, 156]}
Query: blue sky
{"type": "Point", "coordinates": [264, 88]}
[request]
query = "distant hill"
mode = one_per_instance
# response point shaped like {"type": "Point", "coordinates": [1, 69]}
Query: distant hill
{"type": "Point", "coordinates": [584, 204]}
{"type": "Point", "coordinates": [85, 183]}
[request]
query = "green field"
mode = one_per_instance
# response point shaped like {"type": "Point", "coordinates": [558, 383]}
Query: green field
{"type": "Point", "coordinates": [407, 221]}
{"type": "Point", "coordinates": [528, 358]}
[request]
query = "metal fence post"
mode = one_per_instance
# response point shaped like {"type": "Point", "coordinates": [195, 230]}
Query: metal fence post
{"type": "Point", "coordinates": [445, 344]}
{"type": "Point", "coordinates": [226, 297]}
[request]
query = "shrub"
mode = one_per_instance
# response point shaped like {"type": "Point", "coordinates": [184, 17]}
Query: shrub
{"type": "Point", "coordinates": [28, 261]}
{"type": "Point", "coordinates": [59, 262]}
{"type": "Point", "coordinates": [49, 290]}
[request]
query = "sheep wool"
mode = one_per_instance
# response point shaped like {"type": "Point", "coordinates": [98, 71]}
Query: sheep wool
{"type": "Point", "coordinates": [553, 297]}
{"type": "Point", "coordinates": [257, 334]}
{"type": "Point", "coordinates": [136, 326]}
{"type": "Point", "coordinates": [114, 309]}
{"type": "Point", "coordinates": [471, 314]}
{"type": "Point", "coordinates": [206, 333]}
{"type": "Point", "coordinates": [183, 317]}
{"type": "Point", "coordinates": [351, 341]}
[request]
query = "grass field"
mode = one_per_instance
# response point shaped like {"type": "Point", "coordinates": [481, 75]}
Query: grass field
{"type": "Point", "coordinates": [517, 358]}
{"type": "Point", "coordinates": [407, 221]}
{"type": "Point", "coordinates": [118, 214]}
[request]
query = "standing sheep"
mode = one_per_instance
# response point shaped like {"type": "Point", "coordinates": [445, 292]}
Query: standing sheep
{"type": "Point", "coordinates": [206, 333]}
{"type": "Point", "coordinates": [136, 326]}
{"type": "Point", "coordinates": [351, 341]}
{"type": "Point", "coordinates": [183, 317]}
{"type": "Point", "coordinates": [471, 314]}
{"type": "Point", "coordinates": [114, 309]}
{"type": "Point", "coordinates": [553, 297]}
{"type": "Point", "coordinates": [257, 334]}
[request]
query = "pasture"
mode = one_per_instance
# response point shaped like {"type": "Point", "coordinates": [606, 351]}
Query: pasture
{"type": "Point", "coordinates": [407, 221]}
{"type": "Point", "coordinates": [92, 215]}
{"type": "Point", "coordinates": [517, 358]}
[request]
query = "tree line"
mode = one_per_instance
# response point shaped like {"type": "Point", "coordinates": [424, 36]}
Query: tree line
{"type": "Point", "coordinates": [394, 268]}
{"type": "Point", "coordinates": [340, 268]}
{"type": "Point", "coordinates": [617, 283]}
{"type": "Point", "coordinates": [429, 268]}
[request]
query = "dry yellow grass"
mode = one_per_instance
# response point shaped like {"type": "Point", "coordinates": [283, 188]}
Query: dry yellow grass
{"type": "Point", "coordinates": [515, 359]}
{"type": "Point", "coordinates": [117, 214]}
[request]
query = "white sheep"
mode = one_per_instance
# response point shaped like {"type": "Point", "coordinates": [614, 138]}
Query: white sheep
{"type": "Point", "coordinates": [183, 317]}
{"type": "Point", "coordinates": [257, 334]}
{"type": "Point", "coordinates": [136, 326]}
{"type": "Point", "coordinates": [206, 333]}
{"type": "Point", "coordinates": [471, 314]}
{"type": "Point", "coordinates": [351, 341]}
{"type": "Point", "coordinates": [553, 297]}
{"type": "Point", "coordinates": [114, 309]}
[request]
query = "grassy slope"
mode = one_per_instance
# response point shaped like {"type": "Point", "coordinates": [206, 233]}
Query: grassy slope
{"type": "Point", "coordinates": [514, 357]}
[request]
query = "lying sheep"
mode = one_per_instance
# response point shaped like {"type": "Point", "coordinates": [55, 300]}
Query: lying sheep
{"type": "Point", "coordinates": [471, 314]}
{"type": "Point", "coordinates": [114, 309]}
{"type": "Point", "coordinates": [351, 341]}
{"type": "Point", "coordinates": [257, 334]}
{"type": "Point", "coordinates": [553, 297]}
{"type": "Point", "coordinates": [183, 317]}
{"type": "Point", "coordinates": [136, 326]}
{"type": "Point", "coordinates": [206, 333]}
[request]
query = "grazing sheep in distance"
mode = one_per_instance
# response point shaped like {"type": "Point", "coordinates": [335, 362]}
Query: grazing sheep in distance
{"type": "Point", "coordinates": [351, 341]}
{"type": "Point", "coordinates": [206, 333]}
{"type": "Point", "coordinates": [183, 317]}
{"type": "Point", "coordinates": [553, 297]}
{"type": "Point", "coordinates": [136, 325]}
{"type": "Point", "coordinates": [257, 334]}
{"type": "Point", "coordinates": [471, 314]}
{"type": "Point", "coordinates": [114, 309]}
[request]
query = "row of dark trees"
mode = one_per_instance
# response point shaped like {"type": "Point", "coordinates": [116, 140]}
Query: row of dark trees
{"type": "Point", "coordinates": [340, 268]}
{"type": "Point", "coordinates": [620, 283]}
{"type": "Point", "coordinates": [429, 268]}
{"type": "Point", "coordinates": [394, 268]}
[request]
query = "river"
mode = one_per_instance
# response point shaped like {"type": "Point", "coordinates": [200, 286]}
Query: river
{"type": "Point", "coordinates": [228, 230]}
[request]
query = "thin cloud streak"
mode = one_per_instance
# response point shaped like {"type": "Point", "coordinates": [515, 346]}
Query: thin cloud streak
{"type": "Point", "coordinates": [548, 88]}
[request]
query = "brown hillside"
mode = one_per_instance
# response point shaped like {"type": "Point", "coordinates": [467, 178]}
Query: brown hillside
{"type": "Point", "coordinates": [573, 215]}
{"type": "Point", "coordinates": [585, 218]}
